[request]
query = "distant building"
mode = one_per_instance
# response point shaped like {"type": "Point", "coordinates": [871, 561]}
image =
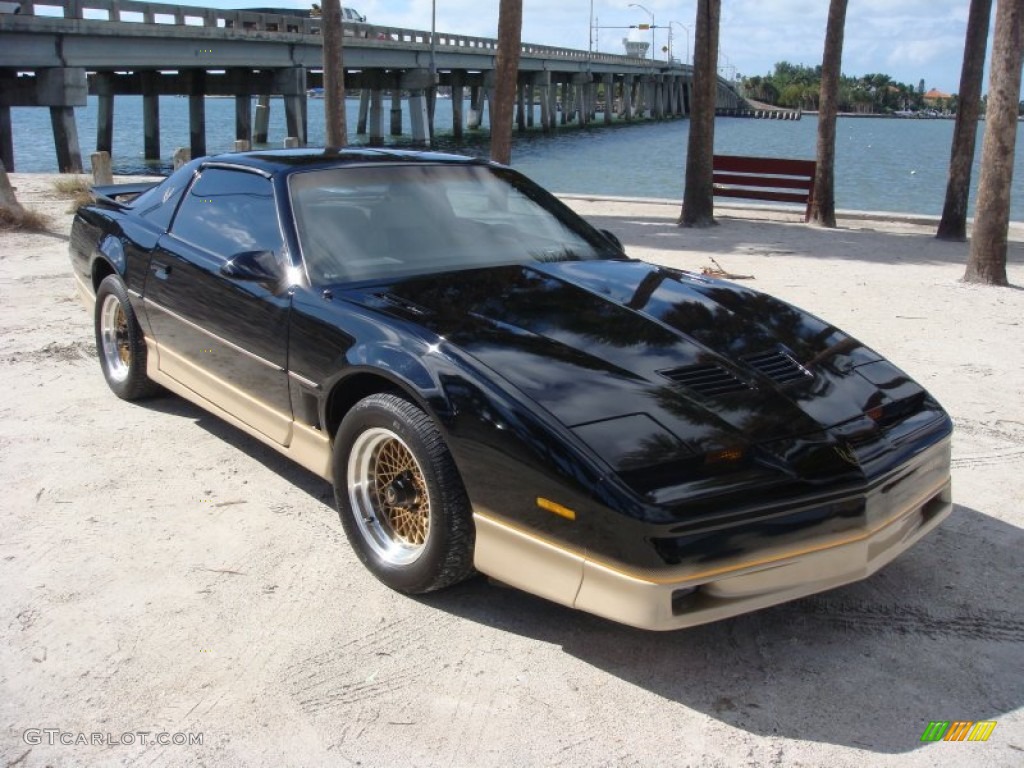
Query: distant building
{"type": "Point", "coordinates": [636, 48]}
{"type": "Point", "coordinates": [935, 97]}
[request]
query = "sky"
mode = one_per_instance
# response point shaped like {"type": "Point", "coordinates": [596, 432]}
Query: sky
{"type": "Point", "coordinates": [905, 39]}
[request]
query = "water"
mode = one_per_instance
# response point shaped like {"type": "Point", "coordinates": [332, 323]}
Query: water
{"type": "Point", "coordinates": [881, 164]}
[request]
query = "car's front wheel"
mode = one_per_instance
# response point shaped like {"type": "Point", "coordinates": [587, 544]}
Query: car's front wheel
{"type": "Point", "coordinates": [400, 497]}
{"type": "Point", "coordinates": [120, 344]}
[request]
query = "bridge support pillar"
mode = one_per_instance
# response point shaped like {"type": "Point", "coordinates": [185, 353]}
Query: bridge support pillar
{"type": "Point", "coordinates": [295, 117]}
{"type": "Point", "coordinates": [150, 114]}
{"type": "Point", "coordinates": [376, 116]}
{"type": "Point", "coordinates": [364, 108]}
{"type": "Point", "coordinates": [521, 107]}
{"type": "Point", "coordinates": [259, 135]}
{"type": "Point", "coordinates": [196, 80]}
{"type": "Point", "coordinates": [291, 83]}
{"type": "Point", "coordinates": [396, 108]}
{"type": "Point", "coordinates": [243, 118]}
{"type": "Point", "coordinates": [582, 96]}
{"type": "Point", "coordinates": [105, 112]}
{"type": "Point", "coordinates": [626, 110]}
{"type": "Point", "coordinates": [609, 97]}
{"type": "Point", "coordinates": [642, 97]}
{"type": "Point", "coordinates": [565, 100]}
{"type": "Point", "coordinates": [458, 83]}
{"type": "Point", "coordinates": [476, 107]}
{"type": "Point", "coordinates": [65, 138]}
{"type": "Point", "coordinates": [61, 89]}
{"type": "Point", "coordinates": [540, 84]}
{"type": "Point", "coordinates": [6, 138]}
{"type": "Point", "coordinates": [417, 82]}
{"type": "Point", "coordinates": [553, 107]}
{"type": "Point", "coordinates": [243, 106]}
{"type": "Point", "coordinates": [431, 96]}
{"type": "Point", "coordinates": [529, 104]}
{"type": "Point", "coordinates": [418, 117]}
{"type": "Point", "coordinates": [488, 94]}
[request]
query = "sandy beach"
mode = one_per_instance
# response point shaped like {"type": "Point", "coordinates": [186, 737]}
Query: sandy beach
{"type": "Point", "coordinates": [162, 572]}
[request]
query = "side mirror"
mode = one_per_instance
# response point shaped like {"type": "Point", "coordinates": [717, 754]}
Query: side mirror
{"type": "Point", "coordinates": [613, 239]}
{"type": "Point", "coordinates": [257, 266]}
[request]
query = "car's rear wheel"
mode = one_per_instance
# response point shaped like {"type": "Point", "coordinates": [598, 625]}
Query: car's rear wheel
{"type": "Point", "coordinates": [120, 344]}
{"type": "Point", "coordinates": [400, 497]}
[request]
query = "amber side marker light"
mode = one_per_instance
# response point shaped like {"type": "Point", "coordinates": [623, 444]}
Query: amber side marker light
{"type": "Point", "coordinates": [556, 508]}
{"type": "Point", "coordinates": [724, 456]}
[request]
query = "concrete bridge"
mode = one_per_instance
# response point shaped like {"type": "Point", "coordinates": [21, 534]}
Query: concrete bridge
{"type": "Point", "coordinates": [116, 47]}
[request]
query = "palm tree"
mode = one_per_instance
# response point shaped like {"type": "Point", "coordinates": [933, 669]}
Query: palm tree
{"type": "Point", "coordinates": [823, 210]}
{"type": "Point", "coordinates": [698, 195]}
{"type": "Point", "coordinates": [336, 132]}
{"type": "Point", "coordinates": [953, 225]}
{"type": "Point", "coordinates": [506, 71]}
{"type": "Point", "coordinates": [9, 204]}
{"type": "Point", "coordinates": [987, 260]}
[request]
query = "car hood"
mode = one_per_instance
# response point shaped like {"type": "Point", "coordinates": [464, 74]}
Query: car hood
{"type": "Point", "coordinates": [646, 363]}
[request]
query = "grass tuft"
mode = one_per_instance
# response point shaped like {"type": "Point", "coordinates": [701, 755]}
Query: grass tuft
{"type": "Point", "coordinates": [71, 186]}
{"type": "Point", "coordinates": [76, 189]}
{"type": "Point", "coordinates": [24, 220]}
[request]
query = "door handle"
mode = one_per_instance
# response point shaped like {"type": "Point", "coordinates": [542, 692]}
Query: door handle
{"type": "Point", "coordinates": [161, 271]}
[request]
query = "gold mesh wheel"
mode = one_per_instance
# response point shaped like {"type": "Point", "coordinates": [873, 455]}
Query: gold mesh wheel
{"type": "Point", "coordinates": [116, 348]}
{"type": "Point", "coordinates": [389, 496]}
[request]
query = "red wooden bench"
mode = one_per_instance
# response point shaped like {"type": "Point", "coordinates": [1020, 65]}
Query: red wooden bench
{"type": "Point", "coordinates": [765, 178]}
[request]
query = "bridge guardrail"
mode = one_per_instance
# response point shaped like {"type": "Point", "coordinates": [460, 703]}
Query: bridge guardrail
{"type": "Point", "coordinates": [135, 12]}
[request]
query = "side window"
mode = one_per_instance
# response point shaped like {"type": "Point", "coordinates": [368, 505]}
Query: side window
{"type": "Point", "coordinates": [227, 212]}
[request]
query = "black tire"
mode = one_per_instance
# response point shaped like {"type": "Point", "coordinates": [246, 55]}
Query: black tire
{"type": "Point", "coordinates": [406, 512]}
{"type": "Point", "coordinates": [120, 344]}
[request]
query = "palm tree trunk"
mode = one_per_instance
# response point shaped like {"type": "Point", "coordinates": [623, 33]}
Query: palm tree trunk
{"type": "Point", "coordinates": [506, 71]}
{"type": "Point", "coordinates": [8, 200]}
{"type": "Point", "coordinates": [336, 132]}
{"type": "Point", "coordinates": [698, 195]}
{"type": "Point", "coordinates": [823, 209]}
{"type": "Point", "coordinates": [953, 225]}
{"type": "Point", "coordinates": [987, 260]}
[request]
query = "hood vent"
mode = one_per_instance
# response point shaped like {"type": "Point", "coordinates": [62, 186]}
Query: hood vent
{"type": "Point", "coordinates": [708, 379]}
{"type": "Point", "coordinates": [778, 366]}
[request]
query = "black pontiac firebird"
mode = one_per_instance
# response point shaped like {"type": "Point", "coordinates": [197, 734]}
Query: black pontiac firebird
{"type": "Point", "coordinates": [492, 385]}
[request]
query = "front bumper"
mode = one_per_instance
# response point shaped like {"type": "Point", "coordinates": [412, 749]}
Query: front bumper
{"type": "Point", "coordinates": [897, 512]}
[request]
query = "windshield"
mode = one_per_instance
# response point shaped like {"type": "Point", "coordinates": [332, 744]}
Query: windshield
{"type": "Point", "coordinates": [364, 223]}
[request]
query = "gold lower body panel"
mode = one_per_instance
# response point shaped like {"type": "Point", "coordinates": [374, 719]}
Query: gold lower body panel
{"type": "Point", "coordinates": [687, 596]}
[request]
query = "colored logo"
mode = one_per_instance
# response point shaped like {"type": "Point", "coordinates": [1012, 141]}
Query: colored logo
{"type": "Point", "coordinates": [958, 730]}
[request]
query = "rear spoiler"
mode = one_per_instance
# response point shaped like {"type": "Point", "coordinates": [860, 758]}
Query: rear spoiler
{"type": "Point", "coordinates": [120, 195]}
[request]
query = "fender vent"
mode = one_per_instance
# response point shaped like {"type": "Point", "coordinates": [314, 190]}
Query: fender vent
{"type": "Point", "coordinates": [708, 379]}
{"type": "Point", "coordinates": [778, 366]}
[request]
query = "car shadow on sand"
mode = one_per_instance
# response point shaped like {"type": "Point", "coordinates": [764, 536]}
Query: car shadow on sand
{"type": "Point", "coordinates": [306, 481]}
{"type": "Point", "coordinates": [937, 635]}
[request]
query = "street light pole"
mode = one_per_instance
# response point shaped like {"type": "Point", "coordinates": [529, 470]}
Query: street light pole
{"type": "Point", "coordinates": [687, 30]}
{"type": "Point", "coordinates": [649, 13]}
{"type": "Point", "coordinates": [728, 65]}
{"type": "Point", "coordinates": [590, 36]}
{"type": "Point", "coordinates": [433, 35]}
